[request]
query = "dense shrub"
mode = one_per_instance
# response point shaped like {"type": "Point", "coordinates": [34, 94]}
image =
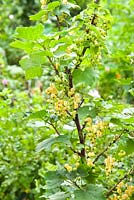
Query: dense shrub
{"type": "Point", "coordinates": [66, 126]}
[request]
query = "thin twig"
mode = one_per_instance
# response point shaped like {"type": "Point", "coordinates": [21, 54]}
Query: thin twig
{"type": "Point", "coordinates": [75, 151]}
{"type": "Point", "coordinates": [54, 128]}
{"type": "Point", "coordinates": [80, 134]}
{"type": "Point", "coordinates": [131, 172]}
{"type": "Point", "coordinates": [94, 15]}
{"type": "Point", "coordinates": [69, 114]}
{"type": "Point", "coordinates": [74, 183]}
{"type": "Point", "coordinates": [82, 101]}
{"type": "Point", "coordinates": [84, 125]}
{"type": "Point", "coordinates": [50, 60]}
{"type": "Point", "coordinates": [80, 57]}
{"type": "Point", "coordinates": [56, 71]}
{"type": "Point", "coordinates": [85, 48]}
{"type": "Point", "coordinates": [70, 78]}
{"type": "Point", "coordinates": [109, 145]}
{"type": "Point", "coordinates": [58, 23]}
{"type": "Point", "coordinates": [76, 119]}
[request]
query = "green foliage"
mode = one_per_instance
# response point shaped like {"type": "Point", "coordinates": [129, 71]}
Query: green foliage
{"type": "Point", "coordinates": [86, 77]}
{"type": "Point", "coordinates": [93, 192]}
{"type": "Point", "coordinates": [66, 121]}
{"type": "Point", "coordinates": [12, 14]}
{"type": "Point", "coordinates": [118, 68]}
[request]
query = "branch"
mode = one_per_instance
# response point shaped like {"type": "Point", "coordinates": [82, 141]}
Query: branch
{"type": "Point", "coordinates": [50, 60]}
{"type": "Point", "coordinates": [82, 101]}
{"type": "Point", "coordinates": [81, 137]}
{"type": "Point", "coordinates": [84, 125]}
{"type": "Point", "coordinates": [58, 23]}
{"type": "Point", "coordinates": [85, 48]}
{"type": "Point", "coordinates": [80, 57]}
{"type": "Point", "coordinates": [76, 119]}
{"type": "Point", "coordinates": [109, 145]}
{"type": "Point", "coordinates": [74, 183]}
{"type": "Point", "coordinates": [93, 19]}
{"type": "Point", "coordinates": [70, 78]}
{"type": "Point", "coordinates": [75, 151]}
{"type": "Point", "coordinates": [131, 172]}
{"type": "Point", "coordinates": [94, 15]}
{"type": "Point", "coordinates": [56, 71]}
{"type": "Point", "coordinates": [54, 127]}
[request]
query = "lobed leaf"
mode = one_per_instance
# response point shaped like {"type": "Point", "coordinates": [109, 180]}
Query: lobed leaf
{"type": "Point", "coordinates": [30, 33]}
{"type": "Point", "coordinates": [93, 192]}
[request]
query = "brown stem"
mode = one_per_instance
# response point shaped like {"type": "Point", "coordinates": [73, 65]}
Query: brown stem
{"type": "Point", "coordinates": [94, 15]}
{"type": "Point", "coordinates": [70, 78]}
{"type": "Point", "coordinates": [82, 101]}
{"type": "Point", "coordinates": [50, 60]}
{"type": "Point", "coordinates": [56, 71]}
{"type": "Point", "coordinates": [81, 137]}
{"type": "Point", "coordinates": [75, 151]}
{"type": "Point", "coordinates": [83, 126]}
{"type": "Point", "coordinates": [54, 128]}
{"type": "Point", "coordinates": [85, 48]}
{"type": "Point", "coordinates": [93, 19]}
{"type": "Point", "coordinates": [80, 57]}
{"type": "Point", "coordinates": [109, 145]}
{"type": "Point", "coordinates": [76, 119]}
{"type": "Point", "coordinates": [58, 23]}
{"type": "Point", "coordinates": [93, 22]}
{"type": "Point", "coordinates": [131, 172]}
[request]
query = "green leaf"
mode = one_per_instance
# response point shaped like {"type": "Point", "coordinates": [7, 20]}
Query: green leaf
{"type": "Point", "coordinates": [83, 170]}
{"type": "Point", "coordinates": [46, 144]}
{"type": "Point", "coordinates": [38, 16]}
{"type": "Point", "coordinates": [93, 112]}
{"type": "Point", "coordinates": [26, 63]}
{"type": "Point", "coordinates": [59, 196]}
{"type": "Point", "coordinates": [63, 139]}
{"type": "Point", "coordinates": [33, 72]}
{"type": "Point", "coordinates": [35, 59]}
{"type": "Point", "coordinates": [131, 91]}
{"type": "Point", "coordinates": [30, 33]}
{"type": "Point", "coordinates": [38, 115]}
{"type": "Point", "coordinates": [36, 124]}
{"type": "Point", "coordinates": [26, 46]}
{"type": "Point", "coordinates": [73, 6]}
{"type": "Point", "coordinates": [53, 5]}
{"type": "Point", "coordinates": [129, 120]}
{"type": "Point", "coordinates": [59, 50]}
{"type": "Point", "coordinates": [38, 58]}
{"type": "Point", "coordinates": [129, 147]}
{"type": "Point", "coordinates": [64, 9]}
{"type": "Point", "coordinates": [92, 192]}
{"type": "Point", "coordinates": [32, 65]}
{"type": "Point", "coordinates": [86, 111]}
{"type": "Point", "coordinates": [54, 179]}
{"type": "Point", "coordinates": [115, 121]}
{"type": "Point", "coordinates": [86, 77]}
{"type": "Point", "coordinates": [83, 112]}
